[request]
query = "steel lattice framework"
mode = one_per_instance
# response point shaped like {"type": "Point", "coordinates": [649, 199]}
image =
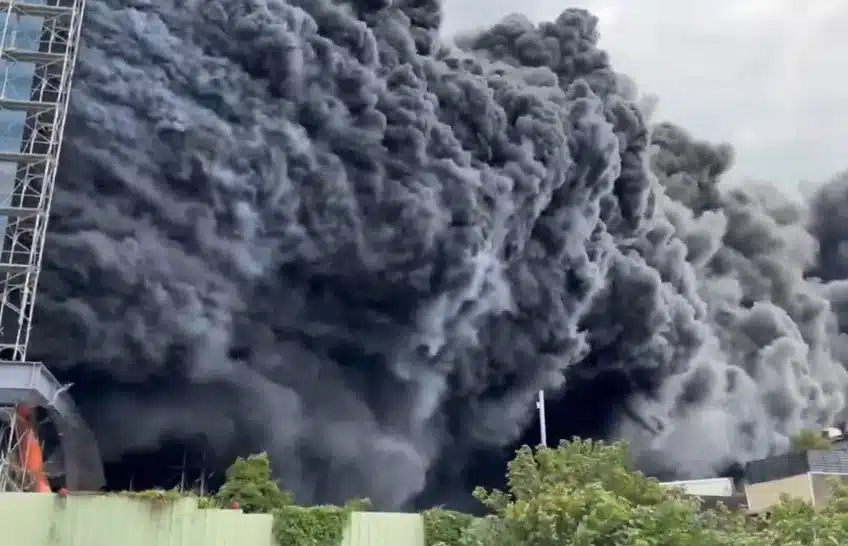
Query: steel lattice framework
{"type": "Point", "coordinates": [13, 462]}
{"type": "Point", "coordinates": [38, 49]}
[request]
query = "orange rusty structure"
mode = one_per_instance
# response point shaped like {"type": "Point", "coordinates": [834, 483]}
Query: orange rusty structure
{"type": "Point", "coordinates": [30, 454]}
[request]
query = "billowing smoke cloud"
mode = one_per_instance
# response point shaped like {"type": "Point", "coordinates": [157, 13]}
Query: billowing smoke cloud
{"type": "Point", "coordinates": [310, 227]}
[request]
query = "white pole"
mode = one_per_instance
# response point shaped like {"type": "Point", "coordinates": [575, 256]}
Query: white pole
{"type": "Point", "coordinates": [543, 427]}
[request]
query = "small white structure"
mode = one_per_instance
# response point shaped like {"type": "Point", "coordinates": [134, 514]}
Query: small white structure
{"type": "Point", "coordinates": [832, 433]}
{"type": "Point", "coordinates": [710, 487]}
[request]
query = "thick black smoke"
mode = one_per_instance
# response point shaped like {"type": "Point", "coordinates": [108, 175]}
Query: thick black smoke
{"type": "Point", "coordinates": [309, 227]}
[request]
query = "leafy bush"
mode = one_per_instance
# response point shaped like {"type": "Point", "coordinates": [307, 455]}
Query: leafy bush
{"type": "Point", "coordinates": [809, 439]}
{"type": "Point", "coordinates": [313, 525]}
{"type": "Point", "coordinates": [585, 493]}
{"type": "Point", "coordinates": [250, 483]}
{"type": "Point", "coordinates": [445, 527]}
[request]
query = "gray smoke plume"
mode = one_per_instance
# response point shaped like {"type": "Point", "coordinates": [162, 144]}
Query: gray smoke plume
{"type": "Point", "coordinates": [761, 359]}
{"type": "Point", "coordinates": [311, 227]}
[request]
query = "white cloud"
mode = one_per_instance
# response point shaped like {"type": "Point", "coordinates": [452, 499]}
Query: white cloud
{"type": "Point", "coordinates": [770, 76]}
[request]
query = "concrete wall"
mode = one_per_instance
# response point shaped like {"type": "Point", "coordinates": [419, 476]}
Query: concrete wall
{"type": "Point", "coordinates": [30, 519]}
{"type": "Point", "coordinates": [384, 529]}
{"type": "Point", "coordinates": [761, 496]}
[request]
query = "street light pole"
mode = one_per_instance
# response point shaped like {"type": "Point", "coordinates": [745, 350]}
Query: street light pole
{"type": "Point", "coordinates": [543, 427]}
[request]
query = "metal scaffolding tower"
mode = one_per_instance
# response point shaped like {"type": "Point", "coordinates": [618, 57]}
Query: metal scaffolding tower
{"type": "Point", "coordinates": [38, 49]}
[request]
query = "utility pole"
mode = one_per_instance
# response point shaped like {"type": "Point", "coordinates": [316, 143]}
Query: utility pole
{"type": "Point", "coordinates": [203, 476]}
{"type": "Point", "coordinates": [183, 471]}
{"type": "Point", "coordinates": [543, 426]}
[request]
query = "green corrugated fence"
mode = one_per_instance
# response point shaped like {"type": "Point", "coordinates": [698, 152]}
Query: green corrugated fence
{"type": "Point", "coordinates": [31, 519]}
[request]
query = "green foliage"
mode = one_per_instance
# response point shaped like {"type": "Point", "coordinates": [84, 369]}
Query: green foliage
{"type": "Point", "coordinates": [159, 498]}
{"type": "Point", "coordinates": [582, 493]}
{"type": "Point", "coordinates": [585, 493]}
{"type": "Point", "coordinates": [445, 527]}
{"type": "Point", "coordinates": [810, 439]}
{"type": "Point", "coordinates": [207, 502]}
{"type": "Point", "coordinates": [164, 495]}
{"type": "Point", "coordinates": [313, 525]}
{"type": "Point", "coordinates": [251, 484]}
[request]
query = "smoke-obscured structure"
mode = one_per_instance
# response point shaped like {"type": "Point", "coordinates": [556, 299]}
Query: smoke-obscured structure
{"type": "Point", "coordinates": [313, 228]}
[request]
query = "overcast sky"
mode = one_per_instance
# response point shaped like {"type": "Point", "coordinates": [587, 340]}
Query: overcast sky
{"type": "Point", "coordinates": [769, 76]}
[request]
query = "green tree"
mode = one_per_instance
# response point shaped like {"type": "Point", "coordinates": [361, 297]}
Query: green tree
{"type": "Point", "coordinates": [809, 439]}
{"type": "Point", "coordinates": [797, 523]}
{"type": "Point", "coordinates": [585, 493]}
{"type": "Point", "coordinates": [251, 484]}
